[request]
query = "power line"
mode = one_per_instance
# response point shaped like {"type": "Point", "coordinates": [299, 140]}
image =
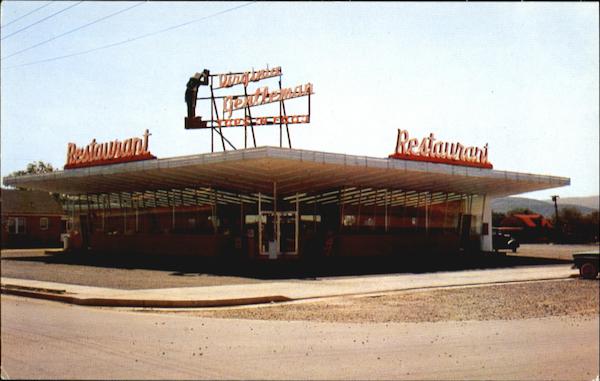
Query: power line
{"type": "Point", "coordinates": [130, 39]}
{"type": "Point", "coordinates": [44, 19]}
{"type": "Point", "coordinates": [27, 14]}
{"type": "Point", "coordinates": [73, 30]}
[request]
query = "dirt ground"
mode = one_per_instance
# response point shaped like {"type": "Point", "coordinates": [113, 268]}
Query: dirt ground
{"type": "Point", "coordinates": [571, 297]}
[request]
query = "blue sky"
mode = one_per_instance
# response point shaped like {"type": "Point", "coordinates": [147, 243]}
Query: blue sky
{"type": "Point", "coordinates": [521, 77]}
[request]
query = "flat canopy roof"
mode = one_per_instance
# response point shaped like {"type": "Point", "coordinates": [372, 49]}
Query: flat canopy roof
{"type": "Point", "coordinates": [256, 169]}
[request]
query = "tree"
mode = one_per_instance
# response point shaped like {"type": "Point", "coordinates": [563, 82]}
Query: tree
{"type": "Point", "coordinates": [592, 222]}
{"type": "Point", "coordinates": [497, 217]}
{"type": "Point", "coordinates": [569, 215]}
{"type": "Point", "coordinates": [34, 168]}
{"type": "Point", "coordinates": [578, 228]}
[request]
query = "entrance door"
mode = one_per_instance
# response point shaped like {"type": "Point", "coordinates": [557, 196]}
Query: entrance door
{"type": "Point", "coordinates": [266, 233]}
{"type": "Point", "coordinates": [278, 230]}
{"type": "Point", "coordinates": [288, 232]}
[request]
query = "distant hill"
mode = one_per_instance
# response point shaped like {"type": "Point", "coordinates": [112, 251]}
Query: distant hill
{"type": "Point", "coordinates": [545, 208]}
{"type": "Point", "coordinates": [589, 201]}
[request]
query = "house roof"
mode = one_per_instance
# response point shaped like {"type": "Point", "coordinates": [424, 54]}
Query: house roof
{"type": "Point", "coordinates": [293, 170]}
{"type": "Point", "coordinates": [533, 220]}
{"type": "Point", "coordinates": [528, 219]}
{"type": "Point", "coordinates": [14, 201]}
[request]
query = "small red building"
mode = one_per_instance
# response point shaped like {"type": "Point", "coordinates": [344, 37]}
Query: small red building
{"type": "Point", "coordinates": [527, 227]}
{"type": "Point", "coordinates": [30, 219]}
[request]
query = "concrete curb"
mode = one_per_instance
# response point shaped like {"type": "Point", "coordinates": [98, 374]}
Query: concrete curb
{"type": "Point", "coordinates": [66, 297]}
{"type": "Point", "coordinates": [62, 296]}
{"type": "Point", "coordinates": [272, 292]}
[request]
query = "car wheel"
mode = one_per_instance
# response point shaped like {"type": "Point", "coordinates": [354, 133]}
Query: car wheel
{"type": "Point", "coordinates": [588, 271]}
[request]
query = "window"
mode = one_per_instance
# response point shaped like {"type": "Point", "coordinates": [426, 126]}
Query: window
{"type": "Point", "coordinates": [349, 220]}
{"type": "Point", "coordinates": [10, 226]}
{"type": "Point", "coordinates": [16, 225]}
{"type": "Point", "coordinates": [43, 223]}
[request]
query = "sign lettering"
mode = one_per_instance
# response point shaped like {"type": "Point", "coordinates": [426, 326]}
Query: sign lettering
{"type": "Point", "coordinates": [431, 150]}
{"type": "Point", "coordinates": [228, 80]}
{"type": "Point", "coordinates": [263, 96]}
{"type": "Point", "coordinates": [93, 154]}
{"type": "Point", "coordinates": [263, 120]}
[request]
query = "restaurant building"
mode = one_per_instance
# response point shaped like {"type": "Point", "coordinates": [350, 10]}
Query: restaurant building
{"type": "Point", "coordinates": [275, 202]}
{"type": "Point", "coordinates": [281, 202]}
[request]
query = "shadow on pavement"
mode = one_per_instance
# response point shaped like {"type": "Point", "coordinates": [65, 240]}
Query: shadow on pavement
{"type": "Point", "coordinates": [265, 269]}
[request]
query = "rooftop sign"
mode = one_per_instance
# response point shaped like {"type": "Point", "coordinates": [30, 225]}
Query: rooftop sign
{"type": "Point", "coordinates": [436, 151]}
{"type": "Point", "coordinates": [132, 149]}
{"type": "Point", "coordinates": [241, 108]}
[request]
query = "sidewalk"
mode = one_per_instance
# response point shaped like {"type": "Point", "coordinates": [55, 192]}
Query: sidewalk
{"type": "Point", "coordinates": [267, 292]}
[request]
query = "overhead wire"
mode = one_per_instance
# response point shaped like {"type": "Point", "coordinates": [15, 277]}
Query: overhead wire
{"type": "Point", "coordinates": [42, 20]}
{"type": "Point", "coordinates": [130, 39]}
{"type": "Point", "coordinates": [73, 30]}
{"type": "Point", "coordinates": [25, 15]}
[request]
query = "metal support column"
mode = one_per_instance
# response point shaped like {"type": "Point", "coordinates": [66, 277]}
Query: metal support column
{"type": "Point", "coordinates": [426, 213]}
{"type": "Point", "coordinates": [275, 218]}
{"type": "Point", "coordinates": [297, 222]}
{"type": "Point", "coordinates": [359, 208]}
{"type": "Point", "coordinates": [341, 207]}
{"type": "Point", "coordinates": [386, 223]}
{"type": "Point", "coordinates": [241, 215]}
{"type": "Point", "coordinates": [445, 213]}
{"type": "Point", "coordinates": [214, 210]}
{"type": "Point", "coordinates": [260, 227]}
{"type": "Point", "coordinates": [103, 213]}
{"type": "Point", "coordinates": [173, 211]}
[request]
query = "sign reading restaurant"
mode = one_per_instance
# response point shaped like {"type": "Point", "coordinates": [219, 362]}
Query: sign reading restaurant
{"type": "Point", "coordinates": [436, 151]}
{"type": "Point", "coordinates": [132, 149]}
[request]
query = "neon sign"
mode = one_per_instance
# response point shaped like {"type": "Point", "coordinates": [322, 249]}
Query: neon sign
{"type": "Point", "coordinates": [132, 149]}
{"type": "Point", "coordinates": [228, 80]}
{"type": "Point", "coordinates": [436, 151]}
{"type": "Point", "coordinates": [239, 108]}
{"type": "Point", "coordinates": [263, 96]}
{"type": "Point", "coordinates": [263, 120]}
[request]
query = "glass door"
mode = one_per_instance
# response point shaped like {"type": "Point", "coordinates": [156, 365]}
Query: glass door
{"type": "Point", "coordinates": [278, 233]}
{"type": "Point", "coordinates": [266, 233]}
{"type": "Point", "coordinates": [287, 232]}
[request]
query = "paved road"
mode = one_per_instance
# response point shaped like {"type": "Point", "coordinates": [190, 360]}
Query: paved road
{"type": "Point", "coordinates": [42, 339]}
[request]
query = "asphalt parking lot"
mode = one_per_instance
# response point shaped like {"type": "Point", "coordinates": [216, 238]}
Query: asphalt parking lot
{"type": "Point", "coordinates": [127, 272]}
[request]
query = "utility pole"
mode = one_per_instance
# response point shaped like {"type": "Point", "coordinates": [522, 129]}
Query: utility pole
{"type": "Point", "coordinates": [556, 223]}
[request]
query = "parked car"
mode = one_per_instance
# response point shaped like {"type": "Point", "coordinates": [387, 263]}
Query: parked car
{"type": "Point", "coordinates": [587, 263]}
{"type": "Point", "coordinates": [502, 240]}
